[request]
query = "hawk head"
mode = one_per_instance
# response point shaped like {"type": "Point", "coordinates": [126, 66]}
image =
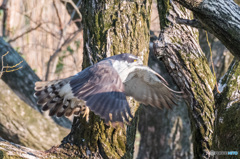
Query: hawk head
{"type": "Point", "coordinates": [124, 61]}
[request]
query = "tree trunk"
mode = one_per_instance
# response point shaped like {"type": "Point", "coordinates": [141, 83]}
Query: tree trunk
{"type": "Point", "coordinates": [221, 18]}
{"type": "Point", "coordinates": [227, 129]}
{"type": "Point", "coordinates": [9, 150]}
{"type": "Point", "coordinates": [22, 81]}
{"type": "Point", "coordinates": [164, 133]}
{"type": "Point", "coordinates": [23, 125]}
{"type": "Point", "coordinates": [110, 28]}
{"type": "Point", "coordinates": [178, 48]}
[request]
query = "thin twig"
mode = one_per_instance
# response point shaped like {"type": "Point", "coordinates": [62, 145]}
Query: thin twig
{"type": "Point", "coordinates": [73, 14]}
{"type": "Point", "coordinates": [9, 67]}
{"type": "Point", "coordinates": [26, 32]}
{"type": "Point", "coordinates": [60, 48]}
{"type": "Point", "coordinates": [75, 7]}
{"type": "Point", "coordinates": [59, 18]}
{"type": "Point", "coordinates": [49, 32]}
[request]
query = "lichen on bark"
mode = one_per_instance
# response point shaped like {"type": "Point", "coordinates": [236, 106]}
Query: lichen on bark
{"type": "Point", "coordinates": [221, 18]}
{"type": "Point", "coordinates": [178, 48]}
{"type": "Point", "coordinates": [23, 125]}
{"type": "Point", "coordinates": [116, 27]}
{"type": "Point", "coordinates": [163, 10]}
{"type": "Point", "coordinates": [110, 28]}
{"type": "Point", "coordinates": [226, 135]}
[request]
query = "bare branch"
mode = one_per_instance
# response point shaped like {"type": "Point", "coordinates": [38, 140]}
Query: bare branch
{"type": "Point", "coordinates": [60, 48]}
{"type": "Point", "coordinates": [59, 18]}
{"type": "Point", "coordinates": [13, 68]}
{"type": "Point", "coordinates": [75, 7]}
{"type": "Point", "coordinates": [26, 32]}
{"type": "Point", "coordinates": [73, 14]}
{"type": "Point", "coordinates": [193, 23]}
{"type": "Point", "coordinates": [4, 5]}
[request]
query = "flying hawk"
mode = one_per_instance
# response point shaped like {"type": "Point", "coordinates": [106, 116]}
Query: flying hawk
{"type": "Point", "coordinates": [103, 88]}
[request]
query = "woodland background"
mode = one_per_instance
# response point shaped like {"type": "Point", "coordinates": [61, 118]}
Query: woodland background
{"type": "Point", "coordinates": [50, 40]}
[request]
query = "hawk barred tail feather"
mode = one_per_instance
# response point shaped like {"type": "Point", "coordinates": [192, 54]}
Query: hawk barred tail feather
{"type": "Point", "coordinates": [103, 88]}
{"type": "Point", "coordinates": [52, 97]}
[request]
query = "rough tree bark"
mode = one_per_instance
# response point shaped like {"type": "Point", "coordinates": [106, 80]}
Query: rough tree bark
{"type": "Point", "coordinates": [164, 133]}
{"type": "Point", "coordinates": [221, 56]}
{"type": "Point", "coordinates": [178, 48]}
{"type": "Point", "coordinates": [221, 18]}
{"type": "Point", "coordinates": [22, 81]}
{"type": "Point", "coordinates": [110, 28]}
{"type": "Point", "coordinates": [9, 150]}
{"type": "Point", "coordinates": [227, 127]}
{"type": "Point", "coordinates": [23, 125]}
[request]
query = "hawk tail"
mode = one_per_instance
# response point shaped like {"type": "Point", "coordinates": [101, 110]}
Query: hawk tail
{"type": "Point", "coordinates": [57, 97]}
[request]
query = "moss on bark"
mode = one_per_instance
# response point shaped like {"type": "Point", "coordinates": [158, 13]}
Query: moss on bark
{"type": "Point", "coordinates": [226, 135]}
{"type": "Point", "coordinates": [110, 28]}
{"type": "Point", "coordinates": [163, 9]}
{"type": "Point", "coordinates": [23, 125]}
{"type": "Point", "coordinates": [186, 63]}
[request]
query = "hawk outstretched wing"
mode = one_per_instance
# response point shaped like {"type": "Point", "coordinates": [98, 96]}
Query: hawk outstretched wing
{"type": "Point", "coordinates": [148, 87]}
{"type": "Point", "coordinates": [99, 87]}
{"type": "Point", "coordinates": [102, 89]}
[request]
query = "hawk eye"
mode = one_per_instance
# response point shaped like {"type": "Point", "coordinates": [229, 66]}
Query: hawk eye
{"type": "Point", "coordinates": [135, 60]}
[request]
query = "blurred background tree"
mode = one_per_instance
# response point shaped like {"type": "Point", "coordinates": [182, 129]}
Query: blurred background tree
{"type": "Point", "coordinates": [48, 35]}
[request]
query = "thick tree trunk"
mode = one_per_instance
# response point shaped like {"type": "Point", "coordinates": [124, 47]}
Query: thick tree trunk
{"type": "Point", "coordinates": [221, 18]}
{"type": "Point", "coordinates": [23, 80]}
{"type": "Point", "coordinates": [227, 129]}
{"type": "Point", "coordinates": [12, 150]}
{"type": "Point", "coordinates": [23, 125]}
{"type": "Point", "coordinates": [110, 28]}
{"type": "Point", "coordinates": [178, 48]}
{"type": "Point", "coordinates": [164, 133]}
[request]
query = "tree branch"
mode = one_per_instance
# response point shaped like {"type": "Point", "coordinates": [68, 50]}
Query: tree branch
{"type": "Point", "coordinates": [193, 23]}
{"type": "Point", "coordinates": [219, 17]}
{"type": "Point", "coordinates": [75, 7]}
{"type": "Point", "coordinates": [72, 9]}
{"type": "Point", "coordinates": [178, 48]}
{"type": "Point", "coordinates": [25, 77]}
{"type": "Point", "coordinates": [227, 117]}
{"type": "Point", "coordinates": [60, 48]}
{"type": "Point", "coordinates": [26, 32]}
{"type": "Point", "coordinates": [59, 18]}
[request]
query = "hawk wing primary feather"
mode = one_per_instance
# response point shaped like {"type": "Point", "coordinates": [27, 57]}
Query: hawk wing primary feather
{"type": "Point", "coordinates": [102, 89]}
{"type": "Point", "coordinates": [99, 86]}
{"type": "Point", "coordinates": [148, 87]}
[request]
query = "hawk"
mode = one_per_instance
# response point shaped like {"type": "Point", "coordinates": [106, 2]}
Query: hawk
{"type": "Point", "coordinates": [103, 88]}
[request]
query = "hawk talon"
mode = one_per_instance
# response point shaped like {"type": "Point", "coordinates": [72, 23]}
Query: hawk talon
{"type": "Point", "coordinates": [86, 113]}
